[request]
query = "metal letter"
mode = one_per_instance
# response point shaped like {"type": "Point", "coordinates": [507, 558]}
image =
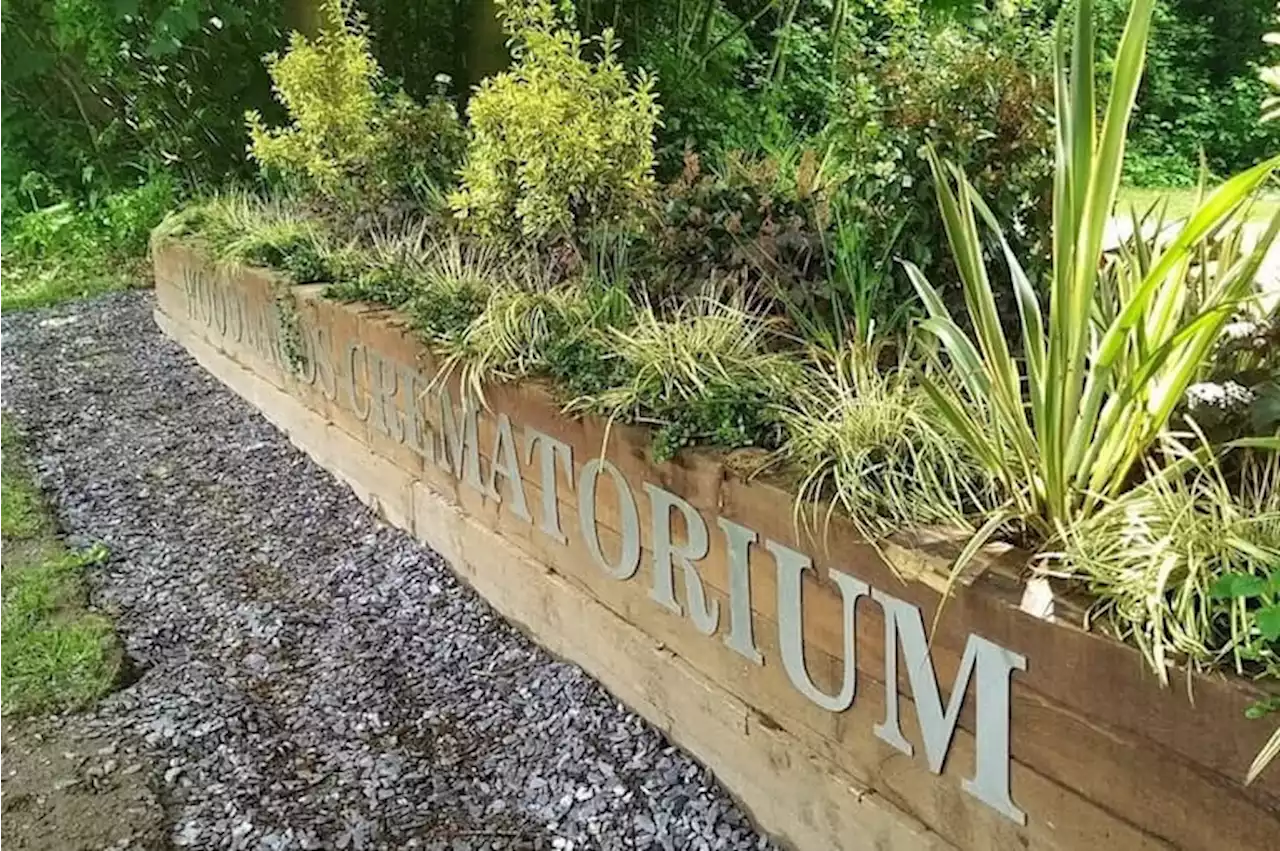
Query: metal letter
{"type": "Point", "coordinates": [740, 637]}
{"type": "Point", "coordinates": [791, 565]}
{"type": "Point", "coordinates": [995, 666]}
{"type": "Point", "coordinates": [385, 410]}
{"type": "Point", "coordinates": [419, 434]}
{"type": "Point", "coordinates": [238, 302]}
{"type": "Point", "coordinates": [308, 370]}
{"type": "Point", "coordinates": [548, 448]}
{"type": "Point", "coordinates": [629, 557]}
{"type": "Point", "coordinates": [324, 363]}
{"type": "Point", "coordinates": [218, 311]}
{"type": "Point", "coordinates": [350, 359]}
{"type": "Point", "coordinates": [504, 462]}
{"type": "Point", "coordinates": [461, 445]}
{"type": "Point", "coordinates": [705, 614]}
{"type": "Point", "coordinates": [190, 289]}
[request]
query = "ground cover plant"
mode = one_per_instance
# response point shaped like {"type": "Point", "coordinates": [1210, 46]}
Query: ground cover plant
{"type": "Point", "coordinates": [1048, 385]}
{"type": "Point", "coordinates": [58, 655]}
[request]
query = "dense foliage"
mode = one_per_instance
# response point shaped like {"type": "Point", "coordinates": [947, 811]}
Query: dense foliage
{"type": "Point", "coordinates": [101, 90]}
{"type": "Point", "coordinates": [1202, 90]}
{"type": "Point", "coordinates": [97, 94]}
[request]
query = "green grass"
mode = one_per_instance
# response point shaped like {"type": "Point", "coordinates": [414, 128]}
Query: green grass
{"type": "Point", "coordinates": [27, 287]}
{"type": "Point", "coordinates": [1182, 202]}
{"type": "Point", "coordinates": [79, 249]}
{"type": "Point", "coordinates": [21, 513]}
{"type": "Point", "coordinates": [57, 655]}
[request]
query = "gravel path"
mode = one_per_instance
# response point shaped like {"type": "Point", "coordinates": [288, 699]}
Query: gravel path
{"type": "Point", "coordinates": [311, 678]}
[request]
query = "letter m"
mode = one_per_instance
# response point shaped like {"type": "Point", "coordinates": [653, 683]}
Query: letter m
{"type": "Point", "coordinates": [990, 665]}
{"type": "Point", "coordinates": [461, 443]}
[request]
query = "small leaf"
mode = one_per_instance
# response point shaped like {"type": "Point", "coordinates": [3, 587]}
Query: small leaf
{"type": "Point", "coordinates": [1237, 585]}
{"type": "Point", "coordinates": [1269, 622]}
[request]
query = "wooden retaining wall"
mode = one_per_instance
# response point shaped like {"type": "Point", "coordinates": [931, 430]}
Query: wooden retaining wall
{"type": "Point", "coordinates": [759, 647]}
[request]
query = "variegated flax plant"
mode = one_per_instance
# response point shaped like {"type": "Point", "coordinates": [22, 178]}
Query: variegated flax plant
{"type": "Point", "coordinates": [1064, 421]}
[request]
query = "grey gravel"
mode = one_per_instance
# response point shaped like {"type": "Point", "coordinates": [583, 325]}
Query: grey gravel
{"type": "Point", "coordinates": [309, 677]}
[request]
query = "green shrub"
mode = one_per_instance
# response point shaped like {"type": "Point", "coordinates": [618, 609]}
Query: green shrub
{"type": "Point", "coordinates": [1201, 91]}
{"type": "Point", "coordinates": [983, 98]}
{"type": "Point", "coordinates": [742, 75]}
{"type": "Point", "coordinates": [94, 90]}
{"type": "Point", "coordinates": [345, 140]}
{"type": "Point", "coordinates": [1186, 567]}
{"type": "Point", "coordinates": [423, 144]}
{"type": "Point", "coordinates": [739, 224]}
{"type": "Point", "coordinates": [559, 144]}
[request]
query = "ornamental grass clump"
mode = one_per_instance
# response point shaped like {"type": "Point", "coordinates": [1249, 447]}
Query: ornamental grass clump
{"type": "Point", "coordinates": [1186, 566]}
{"type": "Point", "coordinates": [1096, 381]}
{"type": "Point", "coordinates": [868, 440]}
{"type": "Point", "coordinates": [386, 266]}
{"type": "Point", "coordinates": [559, 145]}
{"type": "Point", "coordinates": [274, 232]}
{"type": "Point", "coordinates": [708, 372]}
{"type": "Point", "coordinates": [528, 330]}
{"type": "Point", "coordinates": [452, 287]}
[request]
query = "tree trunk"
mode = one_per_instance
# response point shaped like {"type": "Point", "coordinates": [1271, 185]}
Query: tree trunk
{"type": "Point", "coordinates": [486, 49]}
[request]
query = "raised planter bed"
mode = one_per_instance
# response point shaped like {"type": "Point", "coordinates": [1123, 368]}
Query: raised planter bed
{"type": "Point", "coordinates": [758, 646]}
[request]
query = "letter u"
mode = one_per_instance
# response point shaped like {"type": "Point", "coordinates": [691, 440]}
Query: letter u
{"type": "Point", "coordinates": [791, 567]}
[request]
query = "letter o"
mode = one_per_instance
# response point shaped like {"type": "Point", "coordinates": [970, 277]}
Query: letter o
{"type": "Point", "coordinates": [629, 558]}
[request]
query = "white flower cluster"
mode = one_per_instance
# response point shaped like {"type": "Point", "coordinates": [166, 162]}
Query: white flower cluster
{"type": "Point", "coordinates": [1241, 329]}
{"type": "Point", "coordinates": [1226, 395]}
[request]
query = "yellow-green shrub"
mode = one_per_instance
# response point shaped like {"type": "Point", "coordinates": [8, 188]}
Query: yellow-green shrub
{"type": "Point", "coordinates": [558, 144]}
{"type": "Point", "coordinates": [344, 139]}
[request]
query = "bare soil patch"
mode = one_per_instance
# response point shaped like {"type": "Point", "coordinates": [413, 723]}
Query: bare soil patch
{"type": "Point", "coordinates": [63, 791]}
